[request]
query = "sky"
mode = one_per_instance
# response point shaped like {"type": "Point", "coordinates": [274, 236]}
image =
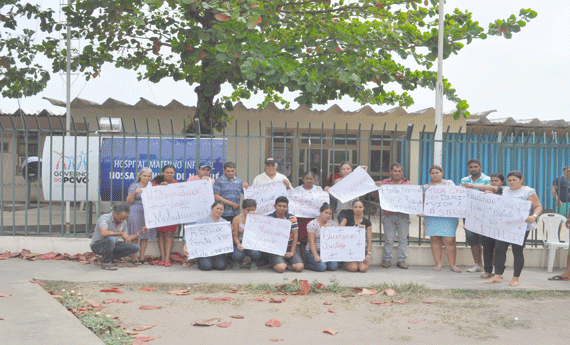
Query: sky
{"type": "Point", "coordinates": [525, 77]}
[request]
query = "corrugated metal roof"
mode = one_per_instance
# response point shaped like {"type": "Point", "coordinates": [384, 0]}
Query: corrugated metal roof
{"type": "Point", "coordinates": [476, 119]}
{"type": "Point", "coordinates": [28, 112]}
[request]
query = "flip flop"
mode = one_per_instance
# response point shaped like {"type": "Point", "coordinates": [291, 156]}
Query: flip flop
{"type": "Point", "coordinates": [437, 268]}
{"type": "Point", "coordinates": [254, 267]}
{"type": "Point", "coordinates": [167, 264]}
{"type": "Point", "coordinates": [237, 266]}
{"type": "Point", "coordinates": [457, 269]}
{"type": "Point", "coordinates": [109, 267]}
{"type": "Point", "coordinates": [559, 278]}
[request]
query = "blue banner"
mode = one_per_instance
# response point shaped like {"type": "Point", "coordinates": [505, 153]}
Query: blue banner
{"type": "Point", "coordinates": [123, 158]}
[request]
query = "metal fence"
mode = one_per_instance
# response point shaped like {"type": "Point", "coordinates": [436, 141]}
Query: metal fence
{"type": "Point", "coordinates": [25, 210]}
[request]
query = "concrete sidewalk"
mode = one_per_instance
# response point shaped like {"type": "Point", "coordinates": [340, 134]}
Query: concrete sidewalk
{"type": "Point", "coordinates": [32, 316]}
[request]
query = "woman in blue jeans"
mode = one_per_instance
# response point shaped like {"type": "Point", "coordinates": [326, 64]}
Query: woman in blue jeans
{"type": "Point", "coordinates": [217, 262]}
{"type": "Point", "coordinates": [313, 260]}
{"type": "Point", "coordinates": [238, 225]}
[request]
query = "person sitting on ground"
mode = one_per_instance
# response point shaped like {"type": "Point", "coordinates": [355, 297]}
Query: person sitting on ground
{"type": "Point", "coordinates": [217, 262]}
{"type": "Point", "coordinates": [292, 256]}
{"type": "Point", "coordinates": [105, 243]}
{"type": "Point", "coordinates": [313, 259]}
{"type": "Point", "coordinates": [238, 226]}
{"type": "Point", "coordinates": [355, 217]}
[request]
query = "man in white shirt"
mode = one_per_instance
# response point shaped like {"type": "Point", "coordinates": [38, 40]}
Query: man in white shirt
{"type": "Point", "coordinates": [271, 174]}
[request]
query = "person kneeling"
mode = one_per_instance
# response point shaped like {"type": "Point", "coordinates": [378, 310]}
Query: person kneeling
{"type": "Point", "coordinates": [292, 256]}
{"type": "Point", "coordinates": [312, 256]}
{"type": "Point", "coordinates": [105, 243]}
{"type": "Point", "coordinates": [355, 217]}
{"type": "Point", "coordinates": [238, 226]}
{"type": "Point", "coordinates": [217, 262]}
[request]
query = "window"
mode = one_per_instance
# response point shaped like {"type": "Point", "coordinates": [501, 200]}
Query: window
{"type": "Point", "coordinates": [28, 144]}
{"type": "Point", "coordinates": [5, 147]}
{"type": "Point", "coordinates": [315, 138]}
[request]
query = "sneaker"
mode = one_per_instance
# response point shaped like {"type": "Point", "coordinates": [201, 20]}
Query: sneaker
{"type": "Point", "coordinates": [475, 268]}
{"type": "Point", "coordinates": [386, 264]}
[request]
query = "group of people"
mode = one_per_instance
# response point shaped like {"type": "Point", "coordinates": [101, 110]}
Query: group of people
{"type": "Point", "coordinates": [303, 250]}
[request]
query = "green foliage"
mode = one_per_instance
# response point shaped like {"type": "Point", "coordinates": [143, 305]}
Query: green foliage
{"type": "Point", "coordinates": [106, 328]}
{"type": "Point", "coordinates": [324, 50]}
{"type": "Point", "coordinates": [19, 75]}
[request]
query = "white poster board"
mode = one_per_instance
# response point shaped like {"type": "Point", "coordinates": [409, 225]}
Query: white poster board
{"type": "Point", "coordinates": [496, 216]}
{"type": "Point", "coordinates": [266, 234]}
{"type": "Point", "coordinates": [401, 198]}
{"type": "Point", "coordinates": [265, 195]}
{"type": "Point", "coordinates": [177, 203]}
{"type": "Point", "coordinates": [356, 184]}
{"type": "Point", "coordinates": [343, 243]}
{"type": "Point", "coordinates": [71, 162]}
{"type": "Point", "coordinates": [306, 203]}
{"type": "Point", "coordinates": [209, 239]}
{"type": "Point", "coordinates": [446, 201]}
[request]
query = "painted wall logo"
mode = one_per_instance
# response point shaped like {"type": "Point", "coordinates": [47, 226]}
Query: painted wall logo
{"type": "Point", "coordinates": [70, 168]}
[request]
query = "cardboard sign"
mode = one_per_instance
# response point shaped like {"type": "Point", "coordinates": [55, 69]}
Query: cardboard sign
{"type": "Point", "coordinates": [356, 184]}
{"type": "Point", "coordinates": [343, 243]}
{"type": "Point", "coordinates": [446, 201]}
{"type": "Point", "coordinates": [306, 203]}
{"type": "Point", "coordinates": [266, 234]}
{"type": "Point", "coordinates": [497, 216]}
{"type": "Point", "coordinates": [401, 198]}
{"type": "Point", "coordinates": [265, 195]}
{"type": "Point", "coordinates": [209, 239]}
{"type": "Point", "coordinates": [177, 203]}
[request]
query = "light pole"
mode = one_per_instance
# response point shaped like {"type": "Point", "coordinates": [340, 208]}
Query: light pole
{"type": "Point", "coordinates": [437, 145]}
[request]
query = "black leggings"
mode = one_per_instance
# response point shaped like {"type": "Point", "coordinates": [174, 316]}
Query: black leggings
{"type": "Point", "coordinates": [488, 253]}
{"type": "Point", "coordinates": [501, 256]}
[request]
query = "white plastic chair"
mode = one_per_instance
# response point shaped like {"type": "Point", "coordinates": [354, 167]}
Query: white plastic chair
{"type": "Point", "coordinates": [552, 223]}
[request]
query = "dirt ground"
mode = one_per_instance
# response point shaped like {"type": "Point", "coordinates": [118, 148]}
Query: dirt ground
{"type": "Point", "coordinates": [457, 317]}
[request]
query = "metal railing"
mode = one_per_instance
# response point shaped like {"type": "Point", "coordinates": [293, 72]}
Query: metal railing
{"type": "Point", "coordinates": [25, 210]}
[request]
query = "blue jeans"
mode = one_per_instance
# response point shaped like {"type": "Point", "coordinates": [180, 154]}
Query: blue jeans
{"type": "Point", "coordinates": [312, 265]}
{"type": "Point", "coordinates": [238, 256]}
{"type": "Point", "coordinates": [110, 248]}
{"type": "Point", "coordinates": [217, 262]}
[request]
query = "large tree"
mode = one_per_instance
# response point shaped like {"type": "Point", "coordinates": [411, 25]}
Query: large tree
{"type": "Point", "coordinates": [322, 49]}
{"type": "Point", "coordinates": [20, 73]}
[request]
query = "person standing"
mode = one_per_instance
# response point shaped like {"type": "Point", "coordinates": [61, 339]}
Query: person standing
{"type": "Point", "coordinates": [136, 215]}
{"type": "Point", "coordinates": [104, 242]}
{"type": "Point", "coordinates": [395, 223]}
{"type": "Point", "coordinates": [476, 178]}
{"type": "Point", "coordinates": [441, 230]}
{"type": "Point", "coordinates": [307, 186]}
{"type": "Point", "coordinates": [271, 175]}
{"type": "Point", "coordinates": [202, 173]}
{"type": "Point", "coordinates": [516, 189]}
{"type": "Point", "coordinates": [561, 192]}
{"type": "Point", "coordinates": [345, 168]}
{"type": "Point", "coordinates": [165, 234]}
{"type": "Point", "coordinates": [228, 189]}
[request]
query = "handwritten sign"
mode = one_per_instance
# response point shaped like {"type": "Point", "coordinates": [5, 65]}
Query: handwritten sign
{"type": "Point", "coordinates": [306, 203]}
{"type": "Point", "coordinates": [355, 184]}
{"type": "Point", "coordinates": [266, 234]}
{"type": "Point", "coordinates": [446, 201]}
{"type": "Point", "coordinates": [177, 203]}
{"type": "Point", "coordinates": [265, 195]}
{"type": "Point", "coordinates": [402, 198]}
{"type": "Point", "coordinates": [209, 239]}
{"type": "Point", "coordinates": [343, 243]}
{"type": "Point", "coordinates": [497, 216]}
